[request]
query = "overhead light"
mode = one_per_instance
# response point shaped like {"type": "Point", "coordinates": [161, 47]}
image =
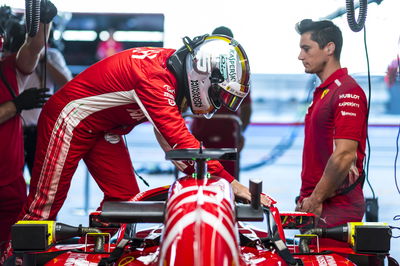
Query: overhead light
{"type": "Point", "coordinates": [139, 36]}
{"type": "Point", "coordinates": [57, 34]}
{"type": "Point", "coordinates": [104, 35]}
{"type": "Point", "coordinates": [79, 35]}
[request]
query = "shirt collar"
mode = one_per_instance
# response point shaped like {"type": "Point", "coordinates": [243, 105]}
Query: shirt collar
{"type": "Point", "coordinates": [337, 74]}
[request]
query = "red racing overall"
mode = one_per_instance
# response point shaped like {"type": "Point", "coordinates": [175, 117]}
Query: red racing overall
{"type": "Point", "coordinates": [86, 118]}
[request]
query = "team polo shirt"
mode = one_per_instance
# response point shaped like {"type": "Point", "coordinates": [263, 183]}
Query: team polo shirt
{"type": "Point", "coordinates": [11, 137]}
{"type": "Point", "coordinates": [338, 111]}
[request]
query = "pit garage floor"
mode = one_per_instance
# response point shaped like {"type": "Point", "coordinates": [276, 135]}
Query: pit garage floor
{"type": "Point", "coordinates": [280, 172]}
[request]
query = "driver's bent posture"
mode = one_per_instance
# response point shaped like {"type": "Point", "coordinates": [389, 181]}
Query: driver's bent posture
{"type": "Point", "coordinates": [88, 116]}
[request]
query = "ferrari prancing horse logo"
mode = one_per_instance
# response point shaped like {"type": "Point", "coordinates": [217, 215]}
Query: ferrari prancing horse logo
{"type": "Point", "coordinates": [325, 92]}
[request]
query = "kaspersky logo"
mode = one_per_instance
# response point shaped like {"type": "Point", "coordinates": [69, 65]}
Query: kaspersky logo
{"type": "Point", "coordinates": [232, 66]}
{"type": "Point", "coordinates": [195, 92]}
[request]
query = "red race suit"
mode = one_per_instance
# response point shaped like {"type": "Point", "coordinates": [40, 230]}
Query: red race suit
{"type": "Point", "coordinates": [338, 111]}
{"type": "Point", "coordinates": [86, 118]}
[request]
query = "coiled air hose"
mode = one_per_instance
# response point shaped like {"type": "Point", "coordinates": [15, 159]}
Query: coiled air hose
{"type": "Point", "coordinates": [32, 16]}
{"type": "Point", "coordinates": [358, 25]}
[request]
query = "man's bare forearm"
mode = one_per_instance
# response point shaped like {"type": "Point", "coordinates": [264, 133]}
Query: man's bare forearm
{"type": "Point", "coordinates": [335, 174]}
{"type": "Point", "coordinates": [29, 53]}
{"type": "Point", "coordinates": [7, 111]}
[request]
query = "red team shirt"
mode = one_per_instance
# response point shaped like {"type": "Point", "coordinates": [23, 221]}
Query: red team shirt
{"type": "Point", "coordinates": [11, 140]}
{"type": "Point", "coordinates": [338, 111]}
{"type": "Point", "coordinates": [12, 183]}
{"type": "Point", "coordinates": [78, 122]}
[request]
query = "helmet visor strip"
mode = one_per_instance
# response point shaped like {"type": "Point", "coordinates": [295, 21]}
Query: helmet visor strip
{"type": "Point", "coordinates": [230, 101]}
{"type": "Point", "coordinates": [233, 98]}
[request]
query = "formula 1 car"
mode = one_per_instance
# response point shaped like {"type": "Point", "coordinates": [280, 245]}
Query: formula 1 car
{"type": "Point", "coordinates": [196, 221]}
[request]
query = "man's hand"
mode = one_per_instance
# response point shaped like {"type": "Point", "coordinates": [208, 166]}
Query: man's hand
{"type": "Point", "coordinates": [310, 205]}
{"type": "Point", "coordinates": [31, 98]}
{"type": "Point", "coordinates": [242, 192]}
{"type": "Point", "coordinates": [353, 174]}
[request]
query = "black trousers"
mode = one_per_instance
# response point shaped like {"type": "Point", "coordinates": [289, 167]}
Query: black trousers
{"type": "Point", "coordinates": [30, 135]}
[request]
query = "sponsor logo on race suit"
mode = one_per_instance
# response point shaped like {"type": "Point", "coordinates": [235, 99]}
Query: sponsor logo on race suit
{"type": "Point", "coordinates": [349, 95]}
{"type": "Point", "coordinates": [136, 114]}
{"type": "Point", "coordinates": [112, 138]}
{"type": "Point", "coordinates": [344, 113]}
{"type": "Point", "coordinates": [142, 54]}
{"type": "Point", "coordinates": [169, 94]}
{"type": "Point", "coordinates": [350, 104]}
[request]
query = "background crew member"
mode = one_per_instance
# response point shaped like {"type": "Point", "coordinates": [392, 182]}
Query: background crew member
{"type": "Point", "coordinates": [58, 74]}
{"type": "Point", "coordinates": [14, 68]}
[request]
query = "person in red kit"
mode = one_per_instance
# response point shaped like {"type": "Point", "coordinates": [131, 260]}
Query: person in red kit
{"type": "Point", "coordinates": [15, 67]}
{"type": "Point", "coordinates": [335, 131]}
{"type": "Point", "coordinates": [87, 117]}
{"type": "Point", "coordinates": [108, 47]}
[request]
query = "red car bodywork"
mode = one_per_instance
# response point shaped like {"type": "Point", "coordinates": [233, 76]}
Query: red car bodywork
{"type": "Point", "coordinates": [201, 228]}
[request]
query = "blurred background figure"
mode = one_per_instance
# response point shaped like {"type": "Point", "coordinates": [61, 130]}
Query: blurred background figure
{"type": "Point", "coordinates": [226, 128]}
{"type": "Point", "coordinates": [57, 74]}
{"type": "Point", "coordinates": [16, 63]}
{"type": "Point", "coordinates": [392, 81]}
{"type": "Point", "coordinates": [108, 46]}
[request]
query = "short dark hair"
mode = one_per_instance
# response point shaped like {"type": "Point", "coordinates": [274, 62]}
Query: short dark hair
{"type": "Point", "coordinates": [322, 32]}
{"type": "Point", "coordinates": [223, 31]}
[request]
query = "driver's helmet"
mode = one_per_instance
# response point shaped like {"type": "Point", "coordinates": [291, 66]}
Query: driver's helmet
{"type": "Point", "coordinates": [218, 73]}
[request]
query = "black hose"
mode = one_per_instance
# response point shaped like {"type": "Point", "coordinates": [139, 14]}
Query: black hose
{"type": "Point", "coordinates": [99, 242]}
{"type": "Point", "coordinates": [305, 241]}
{"type": "Point", "coordinates": [358, 25]}
{"type": "Point", "coordinates": [32, 16]}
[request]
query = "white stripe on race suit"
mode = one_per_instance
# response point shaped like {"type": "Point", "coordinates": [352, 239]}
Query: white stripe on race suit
{"type": "Point", "coordinates": [72, 114]}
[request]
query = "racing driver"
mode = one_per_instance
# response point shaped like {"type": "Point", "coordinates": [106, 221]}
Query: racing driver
{"type": "Point", "coordinates": [86, 118]}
